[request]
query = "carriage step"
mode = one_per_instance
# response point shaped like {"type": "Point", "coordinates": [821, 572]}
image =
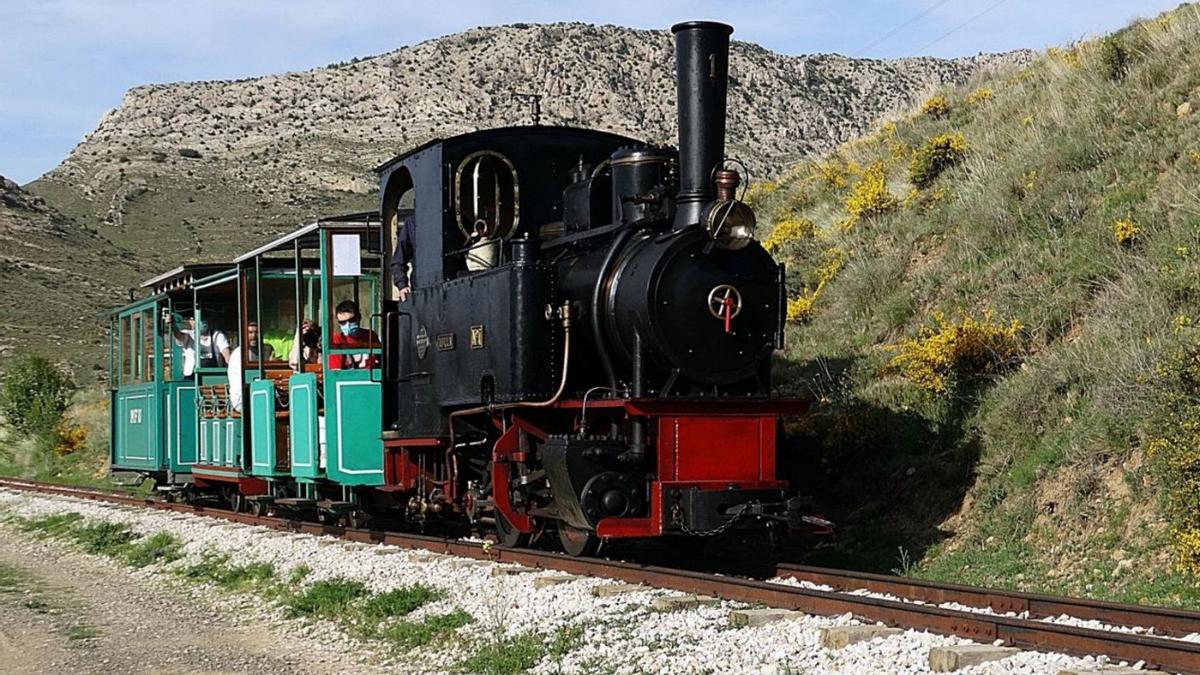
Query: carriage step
{"type": "Point", "coordinates": [296, 502]}
{"type": "Point", "coordinates": [337, 507]}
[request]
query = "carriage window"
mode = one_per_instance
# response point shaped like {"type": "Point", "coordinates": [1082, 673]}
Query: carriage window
{"type": "Point", "coordinates": [166, 344]}
{"type": "Point", "coordinates": [126, 350]}
{"type": "Point", "coordinates": [487, 188]}
{"type": "Point", "coordinates": [277, 323]}
{"type": "Point", "coordinates": [148, 345]}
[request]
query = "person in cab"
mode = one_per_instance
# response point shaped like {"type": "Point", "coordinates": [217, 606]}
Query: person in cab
{"type": "Point", "coordinates": [402, 258]}
{"type": "Point", "coordinates": [349, 335]}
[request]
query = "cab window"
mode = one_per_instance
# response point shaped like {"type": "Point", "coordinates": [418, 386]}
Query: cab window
{"type": "Point", "coordinates": [486, 210]}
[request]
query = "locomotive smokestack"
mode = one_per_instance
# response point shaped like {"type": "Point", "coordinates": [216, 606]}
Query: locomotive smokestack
{"type": "Point", "coordinates": [702, 78]}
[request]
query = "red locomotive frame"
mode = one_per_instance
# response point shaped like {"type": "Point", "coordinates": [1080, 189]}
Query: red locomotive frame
{"type": "Point", "coordinates": [704, 445]}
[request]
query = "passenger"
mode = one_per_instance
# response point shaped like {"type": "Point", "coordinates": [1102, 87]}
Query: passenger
{"type": "Point", "coordinates": [350, 334]}
{"type": "Point", "coordinates": [403, 255]}
{"type": "Point", "coordinates": [214, 346]}
{"type": "Point", "coordinates": [236, 382]}
{"type": "Point", "coordinates": [307, 345]}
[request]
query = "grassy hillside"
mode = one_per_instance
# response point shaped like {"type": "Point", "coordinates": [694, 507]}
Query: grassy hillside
{"type": "Point", "coordinates": [59, 278]}
{"type": "Point", "coordinates": [995, 300]}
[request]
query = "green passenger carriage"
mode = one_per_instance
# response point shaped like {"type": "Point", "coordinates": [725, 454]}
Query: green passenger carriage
{"type": "Point", "coordinates": [298, 434]}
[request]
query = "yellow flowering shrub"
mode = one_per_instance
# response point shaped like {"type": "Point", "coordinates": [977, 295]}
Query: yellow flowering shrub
{"type": "Point", "coordinates": [936, 107]}
{"type": "Point", "coordinates": [1173, 448]}
{"type": "Point", "coordinates": [1068, 57]}
{"type": "Point", "coordinates": [801, 308]}
{"type": "Point", "coordinates": [789, 231]}
{"type": "Point", "coordinates": [760, 191]}
{"type": "Point", "coordinates": [870, 195]}
{"type": "Point", "coordinates": [980, 95]}
{"type": "Point", "coordinates": [950, 351]}
{"type": "Point", "coordinates": [832, 172]}
{"type": "Point", "coordinates": [1125, 231]}
{"type": "Point", "coordinates": [71, 437]}
{"type": "Point", "coordinates": [938, 154]}
{"type": "Point", "coordinates": [1026, 184]}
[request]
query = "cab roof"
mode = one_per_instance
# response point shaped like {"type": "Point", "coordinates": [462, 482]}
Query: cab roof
{"type": "Point", "coordinates": [484, 134]}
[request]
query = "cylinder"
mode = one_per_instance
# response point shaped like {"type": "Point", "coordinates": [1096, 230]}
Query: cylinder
{"type": "Point", "coordinates": [702, 79]}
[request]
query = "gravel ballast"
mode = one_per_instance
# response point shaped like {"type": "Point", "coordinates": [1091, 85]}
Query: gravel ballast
{"type": "Point", "coordinates": [621, 633]}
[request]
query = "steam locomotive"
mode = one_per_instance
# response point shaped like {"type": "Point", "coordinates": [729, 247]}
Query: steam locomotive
{"type": "Point", "coordinates": [586, 349]}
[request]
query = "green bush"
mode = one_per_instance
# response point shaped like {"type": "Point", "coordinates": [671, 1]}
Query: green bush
{"type": "Point", "coordinates": [1114, 58]}
{"type": "Point", "coordinates": [34, 395]}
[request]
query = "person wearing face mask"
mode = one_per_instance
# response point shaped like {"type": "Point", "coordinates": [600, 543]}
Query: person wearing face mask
{"type": "Point", "coordinates": [214, 346]}
{"type": "Point", "coordinates": [350, 334]}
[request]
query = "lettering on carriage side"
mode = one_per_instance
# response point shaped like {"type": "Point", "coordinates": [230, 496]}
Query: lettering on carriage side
{"type": "Point", "coordinates": [135, 415]}
{"type": "Point", "coordinates": [477, 336]}
{"type": "Point", "coordinates": [445, 342]}
{"type": "Point", "coordinates": [422, 342]}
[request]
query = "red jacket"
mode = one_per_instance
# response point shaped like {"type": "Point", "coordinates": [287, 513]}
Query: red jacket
{"type": "Point", "coordinates": [363, 337]}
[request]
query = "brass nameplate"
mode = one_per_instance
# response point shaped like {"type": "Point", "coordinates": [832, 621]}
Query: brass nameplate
{"type": "Point", "coordinates": [445, 342]}
{"type": "Point", "coordinates": [477, 337]}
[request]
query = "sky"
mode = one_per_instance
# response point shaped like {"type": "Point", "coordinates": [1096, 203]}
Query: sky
{"type": "Point", "coordinates": [64, 63]}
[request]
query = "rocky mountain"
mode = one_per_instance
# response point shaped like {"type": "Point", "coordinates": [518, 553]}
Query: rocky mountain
{"type": "Point", "coordinates": [58, 278]}
{"type": "Point", "coordinates": [204, 169]}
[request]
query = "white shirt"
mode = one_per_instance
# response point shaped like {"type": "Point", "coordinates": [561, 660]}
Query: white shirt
{"type": "Point", "coordinates": [213, 342]}
{"type": "Point", "coordinates": [235, 379]}
{"type": "Point", "coordinates": [236, 382]}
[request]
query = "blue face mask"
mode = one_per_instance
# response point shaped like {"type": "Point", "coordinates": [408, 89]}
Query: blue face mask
{"type": "Point", "coordinates": [349, 328]}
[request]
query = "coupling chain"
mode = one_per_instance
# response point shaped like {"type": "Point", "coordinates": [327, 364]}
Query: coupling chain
{"type": "Point", "coordinates": [677, 521]}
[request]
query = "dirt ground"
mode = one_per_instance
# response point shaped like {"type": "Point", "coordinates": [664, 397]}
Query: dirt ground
{"type": "Point", "coordinates": [65, 612]}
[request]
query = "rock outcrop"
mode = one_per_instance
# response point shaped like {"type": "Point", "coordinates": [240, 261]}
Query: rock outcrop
{"type": "Point", "coordinates": [208, 168]}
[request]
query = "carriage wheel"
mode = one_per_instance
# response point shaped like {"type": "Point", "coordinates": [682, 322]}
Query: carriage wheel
{"type": "Point", "coordinates": [577, 542]}
{"type": "Point", "coordinates": [508, 535]}
{"type": "Point", "coordinates": [359, 519]}
{"type": "Point", "coordinates": [237, 501]}
{"type": "Point", "coordinates": [260, 508]}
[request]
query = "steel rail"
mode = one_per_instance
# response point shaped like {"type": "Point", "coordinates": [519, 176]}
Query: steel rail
{"type": "Point", "coordinates": [1157, 652]}
{"type": "Point", "coordinates": [1164, 620]}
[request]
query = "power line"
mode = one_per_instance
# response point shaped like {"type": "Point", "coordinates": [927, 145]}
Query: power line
{"type": "Point", "coordinates": [929, 10]}
{"type": "Point", "coordinates": [959, 27]}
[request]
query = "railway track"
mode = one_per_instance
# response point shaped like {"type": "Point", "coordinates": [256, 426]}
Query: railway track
{"type": "Point", "coordinates": [1018, 619]}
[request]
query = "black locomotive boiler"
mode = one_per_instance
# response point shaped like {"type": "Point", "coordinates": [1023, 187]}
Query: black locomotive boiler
{"type": "Point", "coordinates": [587, 345]}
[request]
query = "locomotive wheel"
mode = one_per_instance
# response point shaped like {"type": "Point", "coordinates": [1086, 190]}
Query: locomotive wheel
{"type": "Point", "coordinates": [578, 542]}
{"type": "Point", "coordinates": [508, 535]}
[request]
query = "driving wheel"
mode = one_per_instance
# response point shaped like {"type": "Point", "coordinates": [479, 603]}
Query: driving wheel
{"type": "Point", "coordinates": [578, 542]}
